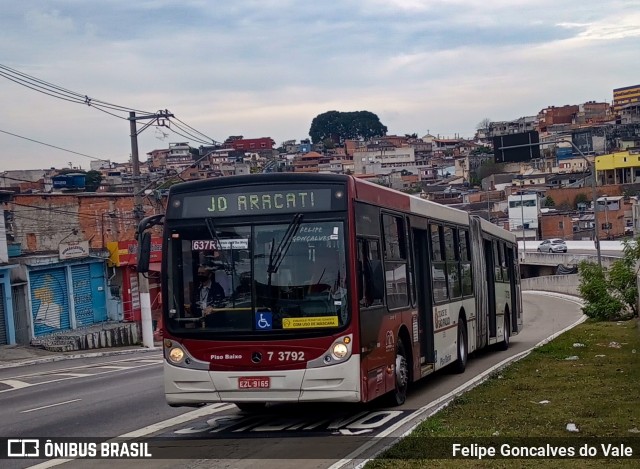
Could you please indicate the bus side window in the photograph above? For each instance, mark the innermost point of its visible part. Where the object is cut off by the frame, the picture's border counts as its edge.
(497, 260)
(370, 280)
(505, 265)
(438, 264)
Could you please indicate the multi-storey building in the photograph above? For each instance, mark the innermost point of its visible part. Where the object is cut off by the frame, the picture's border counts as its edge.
(384, 158)
(624, 97)
(523, 214)
(593, 113)
(262, 145)
(554, 116)
(618, 168)
(523, 124)
(179, 156)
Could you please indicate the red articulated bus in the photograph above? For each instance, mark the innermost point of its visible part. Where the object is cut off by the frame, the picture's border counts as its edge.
(288, 287)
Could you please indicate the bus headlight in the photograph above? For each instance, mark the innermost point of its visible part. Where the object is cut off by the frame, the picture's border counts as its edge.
(340, 350)
(176, 355)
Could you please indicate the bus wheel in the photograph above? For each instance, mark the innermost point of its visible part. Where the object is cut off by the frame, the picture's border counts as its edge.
(251, 407)
(401, 375)
(461, 361)
(506, 333)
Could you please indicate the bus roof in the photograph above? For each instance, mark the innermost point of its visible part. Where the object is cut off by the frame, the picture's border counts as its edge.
(261, 178)
(365, 191)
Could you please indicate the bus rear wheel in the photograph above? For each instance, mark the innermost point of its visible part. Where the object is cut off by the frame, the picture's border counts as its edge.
(399, 395)
(461, 362)
(506, 332)
(251, 407)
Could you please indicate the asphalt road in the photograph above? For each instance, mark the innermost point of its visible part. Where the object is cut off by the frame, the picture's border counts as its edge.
(89, 399)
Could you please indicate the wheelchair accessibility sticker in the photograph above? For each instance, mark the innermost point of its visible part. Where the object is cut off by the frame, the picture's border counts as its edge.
(263, 320)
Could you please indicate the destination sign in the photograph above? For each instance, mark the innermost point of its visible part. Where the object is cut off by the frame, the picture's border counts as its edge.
(256, 203)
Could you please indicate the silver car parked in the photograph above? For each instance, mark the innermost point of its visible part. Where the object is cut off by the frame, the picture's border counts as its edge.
(552, 245)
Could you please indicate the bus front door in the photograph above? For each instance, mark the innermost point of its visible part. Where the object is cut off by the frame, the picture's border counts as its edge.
(423, 291)
(490, 262)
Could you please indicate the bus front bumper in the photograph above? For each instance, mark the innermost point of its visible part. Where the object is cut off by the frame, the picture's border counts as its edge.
(336, 383)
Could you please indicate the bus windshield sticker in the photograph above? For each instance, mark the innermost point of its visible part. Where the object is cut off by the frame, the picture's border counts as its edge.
(302, 323)
(224, 244)
(309, 233)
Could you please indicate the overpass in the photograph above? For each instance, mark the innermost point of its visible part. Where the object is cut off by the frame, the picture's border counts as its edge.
(539, 271)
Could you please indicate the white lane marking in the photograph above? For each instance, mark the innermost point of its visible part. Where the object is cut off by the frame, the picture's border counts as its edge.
(50, 405)
(149, 429)
(21, 384)
(15, 384)
(440, 403)
(75, 375)
(87, 367)
(115, 367)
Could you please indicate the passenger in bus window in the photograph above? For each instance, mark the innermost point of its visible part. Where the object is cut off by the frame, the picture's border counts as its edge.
(209, 294)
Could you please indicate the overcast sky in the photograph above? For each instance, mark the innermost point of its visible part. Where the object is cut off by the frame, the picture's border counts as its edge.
(266, 68)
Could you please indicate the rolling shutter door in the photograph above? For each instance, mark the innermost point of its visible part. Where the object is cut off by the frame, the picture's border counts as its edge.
(49, 301)
(82, 297)
(3, 325)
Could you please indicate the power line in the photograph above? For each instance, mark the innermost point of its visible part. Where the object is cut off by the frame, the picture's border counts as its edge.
(66, 212)
(197, 131)
(39, 85)
(53, 146)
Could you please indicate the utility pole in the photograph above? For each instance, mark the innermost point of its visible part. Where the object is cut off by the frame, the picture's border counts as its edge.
(138, 212)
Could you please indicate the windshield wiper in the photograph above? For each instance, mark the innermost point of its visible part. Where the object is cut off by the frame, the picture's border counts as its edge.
(276, 258)
(214, 235)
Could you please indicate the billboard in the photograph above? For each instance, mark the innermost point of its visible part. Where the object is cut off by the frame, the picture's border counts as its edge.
(527, 147)
(583, 141)
(564, 153)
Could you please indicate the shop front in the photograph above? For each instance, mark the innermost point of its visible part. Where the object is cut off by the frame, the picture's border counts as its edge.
(66, 295)
(124, 282)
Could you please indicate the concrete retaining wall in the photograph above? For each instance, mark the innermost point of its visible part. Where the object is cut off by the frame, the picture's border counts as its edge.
(555, 283)
(92, 337)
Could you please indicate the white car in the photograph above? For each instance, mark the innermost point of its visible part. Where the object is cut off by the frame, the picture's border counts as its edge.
(553, 245)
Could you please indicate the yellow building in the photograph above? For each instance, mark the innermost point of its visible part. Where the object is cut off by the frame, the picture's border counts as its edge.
(625, 96)
(618, 168)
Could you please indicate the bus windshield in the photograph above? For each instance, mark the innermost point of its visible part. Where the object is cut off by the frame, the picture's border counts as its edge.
(261, 278)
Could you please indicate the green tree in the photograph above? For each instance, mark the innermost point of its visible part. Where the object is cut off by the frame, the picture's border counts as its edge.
(580, 199)
(611, 294)
(340, 126)
(93, 181)
(328, 143)
(549, 202)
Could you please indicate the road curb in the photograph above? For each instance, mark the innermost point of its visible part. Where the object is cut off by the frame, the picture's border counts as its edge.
(56, 358)
(414, 419)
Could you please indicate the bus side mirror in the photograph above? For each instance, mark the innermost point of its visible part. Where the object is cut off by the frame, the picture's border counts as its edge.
(144, 252)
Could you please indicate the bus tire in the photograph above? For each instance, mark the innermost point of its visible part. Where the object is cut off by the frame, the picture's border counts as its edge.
(463, 348)
(251, 407)
(506, 332)
(401, 372)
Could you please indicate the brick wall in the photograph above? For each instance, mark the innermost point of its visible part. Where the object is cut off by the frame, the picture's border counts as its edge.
(43, 221)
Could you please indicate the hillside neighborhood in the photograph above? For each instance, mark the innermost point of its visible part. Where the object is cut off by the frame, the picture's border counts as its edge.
(66, 233)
